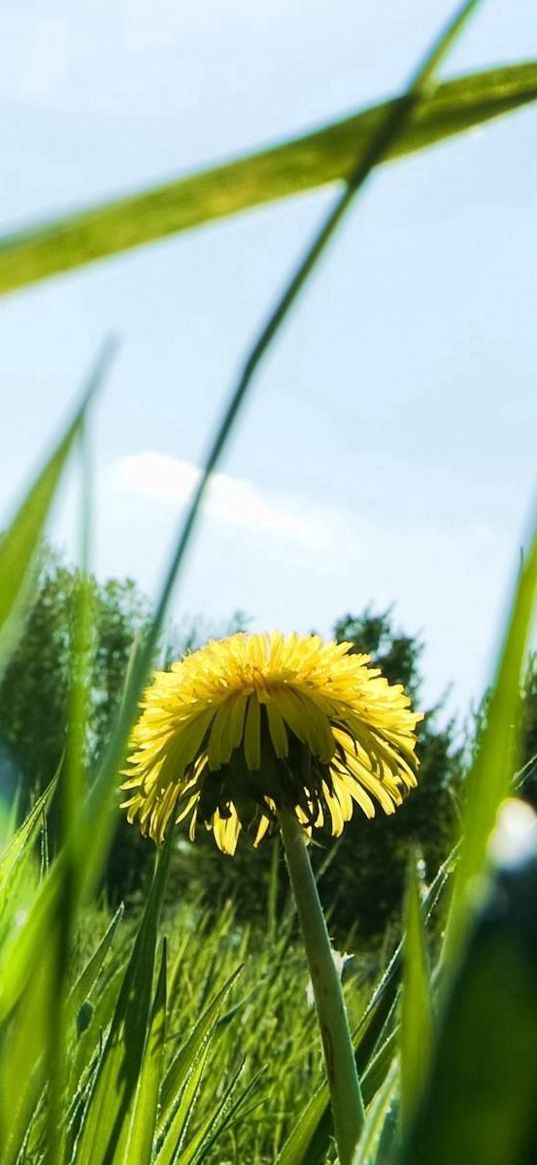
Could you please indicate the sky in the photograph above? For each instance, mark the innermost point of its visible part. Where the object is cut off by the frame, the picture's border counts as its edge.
(386, 454)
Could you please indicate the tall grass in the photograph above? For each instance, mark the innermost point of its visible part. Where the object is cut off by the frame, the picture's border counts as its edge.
(167, 1039)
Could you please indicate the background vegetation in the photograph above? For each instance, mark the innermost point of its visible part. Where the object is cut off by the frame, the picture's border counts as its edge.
(34, 704)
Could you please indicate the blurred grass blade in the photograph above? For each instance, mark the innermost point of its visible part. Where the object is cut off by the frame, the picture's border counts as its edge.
(480, 1099)
(19, 868)
(374, 1126)
(136, 1144)
(72, 774)
(20, 848)
(498, 749)
(9, 817)
(18, 545)
(110, 1105)
(71, 792)
(416, 1003)
(300, 164)
(19, 954)
(22, 1044)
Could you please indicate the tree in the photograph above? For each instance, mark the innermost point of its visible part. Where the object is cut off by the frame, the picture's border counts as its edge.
(35, 692)
(366, 880)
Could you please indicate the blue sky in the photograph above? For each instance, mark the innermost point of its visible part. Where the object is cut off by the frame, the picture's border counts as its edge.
(387, 453)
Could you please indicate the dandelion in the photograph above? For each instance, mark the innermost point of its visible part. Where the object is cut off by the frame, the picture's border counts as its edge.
(253, 724)
(267, 732)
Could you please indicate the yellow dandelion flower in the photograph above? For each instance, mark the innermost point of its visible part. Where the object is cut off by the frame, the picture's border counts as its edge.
(252, 724)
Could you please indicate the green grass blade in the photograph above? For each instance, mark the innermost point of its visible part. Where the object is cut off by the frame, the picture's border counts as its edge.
(226, 1112)
(9, 817)
(416, 1002)
(19, 544)
(71, 791)
(20, 953)
(309, 1140)
(91, 1022)
(497, 755)
(374, 1126)
(110, 1104)
(379, 1066)
(301, 164)
(300, 1147)
(72, 775)
(480, 1099)
(136, 1145)
(176, 1076)
(173, 1141)
(81, 990)
(19, 849)
(23, 1040)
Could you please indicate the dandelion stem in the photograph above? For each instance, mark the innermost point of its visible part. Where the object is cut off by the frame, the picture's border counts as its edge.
(346, 1097)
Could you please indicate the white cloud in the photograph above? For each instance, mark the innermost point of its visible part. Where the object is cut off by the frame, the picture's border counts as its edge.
(296, 562)
(229, 499)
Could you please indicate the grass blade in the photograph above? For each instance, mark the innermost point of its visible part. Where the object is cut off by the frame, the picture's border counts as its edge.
(19, 849)
(300, 1147)
(497, 754)
(225, 1114)
(82, 989)
(18, 546)
(327, 155)
(23, 1040)
(480, 1098)
(19, 954)
(110, 1105)
(136, 1146)
(376, 1119)
(310, 1138)
(173, 1142)
(71, 792)
(181, 1064)
(416, 1001)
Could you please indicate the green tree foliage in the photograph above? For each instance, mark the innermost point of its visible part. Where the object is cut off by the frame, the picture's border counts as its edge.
(366, 879)
(35, 692)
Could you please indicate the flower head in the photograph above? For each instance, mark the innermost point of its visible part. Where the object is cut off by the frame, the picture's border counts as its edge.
(254, 723)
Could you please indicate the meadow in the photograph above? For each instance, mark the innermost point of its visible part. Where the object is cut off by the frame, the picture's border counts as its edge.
(162, 1033)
